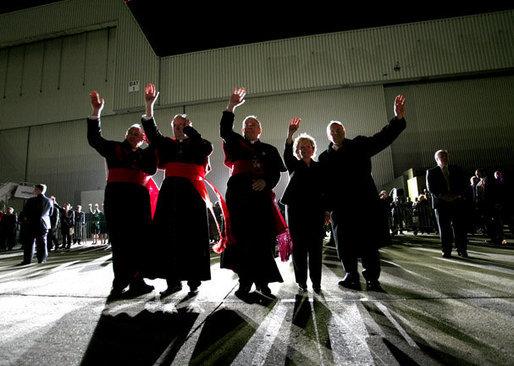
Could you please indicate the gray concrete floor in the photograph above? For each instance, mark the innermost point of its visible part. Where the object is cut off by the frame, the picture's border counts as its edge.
(434, 311)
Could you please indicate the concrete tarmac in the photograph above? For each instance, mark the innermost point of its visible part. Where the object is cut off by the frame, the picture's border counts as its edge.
(434, 311)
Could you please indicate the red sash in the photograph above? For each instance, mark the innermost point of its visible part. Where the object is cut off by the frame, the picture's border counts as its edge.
(196, 175)
(135, 176)
(246, 166)
(285, 244)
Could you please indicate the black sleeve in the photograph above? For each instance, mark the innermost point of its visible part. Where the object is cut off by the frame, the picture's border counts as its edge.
(95, 139)
(151, 131)
(374, 144)
(290, 160)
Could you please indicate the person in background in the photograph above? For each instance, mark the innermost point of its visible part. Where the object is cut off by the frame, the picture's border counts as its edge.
(449, 189)
(36, 215)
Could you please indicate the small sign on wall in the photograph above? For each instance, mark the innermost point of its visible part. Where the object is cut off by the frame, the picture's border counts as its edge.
(133, 86)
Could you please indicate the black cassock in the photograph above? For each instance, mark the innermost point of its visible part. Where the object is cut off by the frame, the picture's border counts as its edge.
(126, 204)
(252, 255)
(180, 224)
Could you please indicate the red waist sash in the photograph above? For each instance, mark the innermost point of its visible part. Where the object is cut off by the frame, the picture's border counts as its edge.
(246, 166)
(135, 176)
(196, 175)
(285, 243)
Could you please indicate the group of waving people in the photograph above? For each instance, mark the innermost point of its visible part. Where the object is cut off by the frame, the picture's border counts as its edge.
(172, 223)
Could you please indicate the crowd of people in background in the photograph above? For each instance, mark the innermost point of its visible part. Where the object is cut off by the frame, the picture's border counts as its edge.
(490, 209)
(491, 214)
(69, 226)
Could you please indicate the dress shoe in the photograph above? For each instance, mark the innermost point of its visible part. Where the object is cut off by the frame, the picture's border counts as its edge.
(374, 286)
(193, 286)
(264, 289)
(116, 293)
(351, 282)
(139, 289)
(171, 290)
(302, 288)
(447, 255)
(23, 263)
(463, 253)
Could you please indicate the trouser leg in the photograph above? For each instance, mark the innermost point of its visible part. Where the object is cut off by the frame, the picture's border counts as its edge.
(443, 218)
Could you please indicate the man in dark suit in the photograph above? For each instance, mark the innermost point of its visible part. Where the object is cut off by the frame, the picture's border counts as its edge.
(357, 215)
(37, 212)
(448, 187)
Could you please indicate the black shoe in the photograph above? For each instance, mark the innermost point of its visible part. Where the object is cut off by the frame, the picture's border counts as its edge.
(23, 263)
(447, 255)
(245, 296)
(116, 293)
(302, 288)
(264, 289)
(139, 289)
(351, 282)
(193, 286)
(374, 286)
(317, 289)
(171, 290)
(463, 253)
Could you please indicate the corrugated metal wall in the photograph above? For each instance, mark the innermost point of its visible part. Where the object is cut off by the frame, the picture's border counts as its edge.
(51, 57)
(50, 80)
(13, 154)
(371, 56)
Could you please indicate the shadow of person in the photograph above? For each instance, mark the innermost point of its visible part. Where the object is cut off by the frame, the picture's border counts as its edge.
(138, 340)
(224, 334)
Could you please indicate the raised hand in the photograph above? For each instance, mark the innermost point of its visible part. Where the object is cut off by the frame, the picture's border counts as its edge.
(151, 94)
(294, 124)
(236, 99)
(399, 106)
(97, 104)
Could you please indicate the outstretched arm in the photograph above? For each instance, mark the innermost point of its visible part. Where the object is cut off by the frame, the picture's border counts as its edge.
(151, 95)
(227, 121)
(94, 130)
(151, 131)
(289, 159)
(379, 141)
